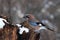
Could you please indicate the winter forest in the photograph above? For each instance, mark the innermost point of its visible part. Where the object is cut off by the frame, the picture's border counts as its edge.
(48, 10)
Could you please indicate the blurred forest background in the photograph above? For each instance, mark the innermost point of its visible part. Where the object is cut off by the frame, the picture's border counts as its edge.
(42, 9)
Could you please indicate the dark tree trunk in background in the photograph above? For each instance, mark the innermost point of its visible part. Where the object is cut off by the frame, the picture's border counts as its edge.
(8, 33)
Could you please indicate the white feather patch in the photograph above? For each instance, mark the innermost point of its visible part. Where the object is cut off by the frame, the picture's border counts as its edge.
(42, 28)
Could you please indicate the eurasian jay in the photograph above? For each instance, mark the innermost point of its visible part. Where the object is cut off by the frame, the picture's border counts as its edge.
(32, 21)
(36, 24)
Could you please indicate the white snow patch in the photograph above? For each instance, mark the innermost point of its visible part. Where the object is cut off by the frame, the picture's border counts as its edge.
(22, 29)
(18, 25)
(2, 23)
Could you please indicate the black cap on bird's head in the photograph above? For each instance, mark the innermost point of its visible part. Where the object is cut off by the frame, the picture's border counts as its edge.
(26, 16)
(29, 16)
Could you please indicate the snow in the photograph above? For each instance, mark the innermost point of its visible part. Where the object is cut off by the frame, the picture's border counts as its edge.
(2, 23)
(22, 29)
(18, 25)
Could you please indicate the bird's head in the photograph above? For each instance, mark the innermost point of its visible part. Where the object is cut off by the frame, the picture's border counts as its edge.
(29, 17)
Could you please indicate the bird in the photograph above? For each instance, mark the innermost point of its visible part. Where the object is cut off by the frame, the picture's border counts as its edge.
(36, 24)
(33, 22)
